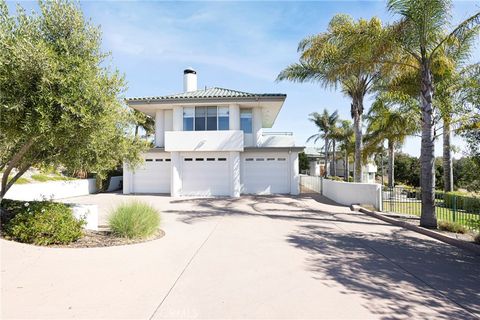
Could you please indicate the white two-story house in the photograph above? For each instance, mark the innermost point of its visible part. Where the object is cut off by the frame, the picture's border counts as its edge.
(211, 142)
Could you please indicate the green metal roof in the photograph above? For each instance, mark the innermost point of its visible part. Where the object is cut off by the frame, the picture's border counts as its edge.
(209, 93)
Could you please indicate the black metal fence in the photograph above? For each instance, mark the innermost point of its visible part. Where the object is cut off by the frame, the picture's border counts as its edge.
(448, 206)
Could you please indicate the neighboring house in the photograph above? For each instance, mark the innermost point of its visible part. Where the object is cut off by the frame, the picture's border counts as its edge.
(316, 161)
(211, 142)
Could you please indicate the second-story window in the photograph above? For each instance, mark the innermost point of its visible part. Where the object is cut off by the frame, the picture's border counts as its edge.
(188, 116)
(205, 118)
(211, 118)
(200, 118)
(223, 118)
(246, 120)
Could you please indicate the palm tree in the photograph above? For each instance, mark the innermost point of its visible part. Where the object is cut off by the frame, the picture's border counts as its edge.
(418, 38)
(390, 124)
(336, 58)
(141, 120)
(450, 94)
(345, 135)
(325, 123)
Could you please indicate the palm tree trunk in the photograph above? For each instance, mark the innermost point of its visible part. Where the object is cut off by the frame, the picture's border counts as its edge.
(447, 158)
(428, 218)
(345, 165)
(357, 109)
(326, 156)
(391, 164)
(334, 160)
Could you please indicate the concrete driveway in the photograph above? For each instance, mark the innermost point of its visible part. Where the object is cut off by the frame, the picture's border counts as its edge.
(253, 257)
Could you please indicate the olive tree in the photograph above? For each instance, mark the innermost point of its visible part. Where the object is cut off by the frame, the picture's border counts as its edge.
(60, 101)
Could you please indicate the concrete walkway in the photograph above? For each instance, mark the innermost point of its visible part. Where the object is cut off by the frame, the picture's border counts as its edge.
(253, 257)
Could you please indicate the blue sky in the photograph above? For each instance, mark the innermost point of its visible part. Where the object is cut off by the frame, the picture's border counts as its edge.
(237, 45)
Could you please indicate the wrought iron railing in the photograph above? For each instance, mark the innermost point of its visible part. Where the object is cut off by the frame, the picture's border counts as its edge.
(449, 207)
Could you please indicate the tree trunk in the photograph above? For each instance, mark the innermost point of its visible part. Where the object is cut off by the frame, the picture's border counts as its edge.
(428, 218)
(12, 163)
(357, 110)
(381, 165)
(391, 164)
(326, 157)
(334, 160)
(346, 174)
(136, 131)
(447, 158)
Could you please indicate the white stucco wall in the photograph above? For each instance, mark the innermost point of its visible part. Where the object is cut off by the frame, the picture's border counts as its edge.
(115, 183)
(227, 140)
(160, 128)
(347, 193)
(294, 174)
(51, 190)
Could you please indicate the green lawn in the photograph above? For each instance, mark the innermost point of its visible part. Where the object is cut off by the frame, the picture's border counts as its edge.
(468, 219)
(44, 177)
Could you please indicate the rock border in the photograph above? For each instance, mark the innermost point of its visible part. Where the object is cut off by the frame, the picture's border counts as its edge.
(474, 248)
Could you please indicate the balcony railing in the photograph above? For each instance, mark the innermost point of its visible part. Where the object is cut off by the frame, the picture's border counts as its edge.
(277, 133)
(277, 139)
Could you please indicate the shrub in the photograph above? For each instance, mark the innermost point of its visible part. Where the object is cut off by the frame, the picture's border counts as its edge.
(335, 178)
(451, 227)
(41, 222)
(134, 220)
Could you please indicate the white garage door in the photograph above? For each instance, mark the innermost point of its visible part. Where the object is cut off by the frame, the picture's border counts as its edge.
(205, 174)
(153, 176)
(265, 173)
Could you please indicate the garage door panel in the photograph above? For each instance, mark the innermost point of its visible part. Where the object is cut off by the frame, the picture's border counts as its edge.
(205, 175)
(265, 173)
(153, 176)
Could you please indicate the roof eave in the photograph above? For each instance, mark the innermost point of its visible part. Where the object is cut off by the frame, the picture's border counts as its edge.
(143, 101)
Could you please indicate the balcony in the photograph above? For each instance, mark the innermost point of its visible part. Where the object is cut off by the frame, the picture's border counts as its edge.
(276, 139)
(228, 140)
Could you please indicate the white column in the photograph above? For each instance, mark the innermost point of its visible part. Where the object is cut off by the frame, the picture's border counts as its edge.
(234, 117)
(176, 174)
(294, 175)
(168, 120)
(235, 174)
(177, 118)
(257, 126)
(127, 179)
(160, 128)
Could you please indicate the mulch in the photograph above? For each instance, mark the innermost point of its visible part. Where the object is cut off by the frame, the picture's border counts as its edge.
(104, 238)
(101, 238)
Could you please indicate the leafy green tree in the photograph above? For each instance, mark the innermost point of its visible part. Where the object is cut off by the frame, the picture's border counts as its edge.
(418, 39)
(60, 102)
(338, 58)
(407, 169)
(466, 171)
(303, 162)
(326, 124)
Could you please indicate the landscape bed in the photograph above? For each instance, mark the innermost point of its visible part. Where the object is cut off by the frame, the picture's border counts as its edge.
(53, 224)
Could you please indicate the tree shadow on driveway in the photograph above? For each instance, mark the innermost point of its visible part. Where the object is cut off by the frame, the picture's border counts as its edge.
(401, 275)
(273, 207)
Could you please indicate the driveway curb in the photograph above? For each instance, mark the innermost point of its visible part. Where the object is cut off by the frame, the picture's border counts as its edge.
(433, 234)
